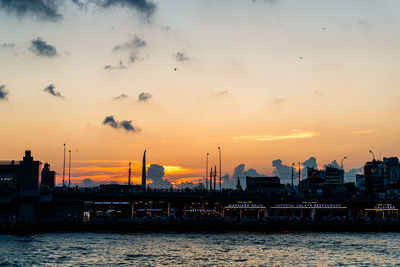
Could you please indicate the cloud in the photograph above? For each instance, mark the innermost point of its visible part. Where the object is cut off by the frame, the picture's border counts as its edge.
(109, 120)
(42, 49)
(125, 125)
(50, 89)
(181, 56)
(241, 172)
(7, 45)
(121, 97)
(333, 164)
(296, 134)
(221, 93)
(144, 8)
(45, 10)
(363, 132)
(120, 66)
(156, 173)
(87, 182)
(284, 172)
(48, 10)
(280, 100)
(143, 97)
(133, 46)
(3, 92)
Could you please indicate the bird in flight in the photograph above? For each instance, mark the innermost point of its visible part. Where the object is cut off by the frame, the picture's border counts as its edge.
(323, 28)
(175, 69)
(300, 57)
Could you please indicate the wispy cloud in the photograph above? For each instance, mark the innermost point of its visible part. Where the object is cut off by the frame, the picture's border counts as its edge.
(50, 89)
(121, 97)
(295, 134)
(363, 132)
(181, 56)
(42, 49)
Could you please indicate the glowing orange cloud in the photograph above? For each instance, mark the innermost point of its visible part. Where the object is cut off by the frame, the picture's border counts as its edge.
(297, 134)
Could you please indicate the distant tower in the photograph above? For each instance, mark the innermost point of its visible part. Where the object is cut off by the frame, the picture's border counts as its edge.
(144, 172)
(238, 186)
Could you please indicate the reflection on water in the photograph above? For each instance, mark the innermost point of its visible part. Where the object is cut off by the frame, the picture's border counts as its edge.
(201, 249)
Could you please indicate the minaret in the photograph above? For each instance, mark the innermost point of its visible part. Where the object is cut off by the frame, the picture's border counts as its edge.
(238, 186)
(144, 172)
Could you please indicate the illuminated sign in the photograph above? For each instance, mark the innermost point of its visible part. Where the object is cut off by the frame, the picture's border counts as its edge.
(201, 210)
(245, 206)
(149, 210)
(382, 207)
(309, 205)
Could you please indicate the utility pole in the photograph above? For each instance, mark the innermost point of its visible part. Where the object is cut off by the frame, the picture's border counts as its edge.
(207, 170)
(63, 181)
(220, 172)
(129, 176)
(211, 176)
(69, 170)
(373, 155)
(292, 175)
(215, 178)
(299, 173)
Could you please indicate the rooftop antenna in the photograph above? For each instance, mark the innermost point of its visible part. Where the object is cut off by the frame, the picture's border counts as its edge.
(292, 174)
(211, 178)
(63, 169)
(69, 170)
(215, 178)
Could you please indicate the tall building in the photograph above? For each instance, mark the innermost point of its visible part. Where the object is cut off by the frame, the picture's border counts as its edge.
(48, 177)
(332, 176)
(29, 180)
(373, 172)
(391, 171)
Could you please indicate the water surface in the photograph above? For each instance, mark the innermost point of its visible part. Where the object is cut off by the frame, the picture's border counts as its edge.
(315, 249)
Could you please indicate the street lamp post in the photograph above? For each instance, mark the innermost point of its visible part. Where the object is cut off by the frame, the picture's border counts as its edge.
(220, 173)
(341, 164)
(207, 170)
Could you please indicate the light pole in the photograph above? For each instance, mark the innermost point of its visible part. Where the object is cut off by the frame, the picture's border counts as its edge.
(63, 181)
(373, 155)
(341, 165)
(292, 175)
(299, 173)
(207, 170)
(220, 176)
(69, 170)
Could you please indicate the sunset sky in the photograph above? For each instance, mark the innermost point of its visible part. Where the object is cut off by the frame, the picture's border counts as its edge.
(264, 80)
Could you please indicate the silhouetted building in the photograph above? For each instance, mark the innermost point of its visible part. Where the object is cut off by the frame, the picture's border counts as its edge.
(238, 185)
(48, 177)
(29, 179)
(9, 173)
(391, 171)
(332, 176)
(360, 182)
(264, 184)
(373, 172)
(313, 183)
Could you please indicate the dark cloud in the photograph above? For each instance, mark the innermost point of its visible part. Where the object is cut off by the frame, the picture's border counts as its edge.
(156, 173)
(284, 172)
(144, 8)
(143, 97)
(181, 56)
(46, 10)
(87, 182)
(125, 125)
(42, 49)
(333, 164)
(50, 89)
(121, 97)
(240, 172)
(309, 163)
(3, 92)
(120, 66)
(109, 120)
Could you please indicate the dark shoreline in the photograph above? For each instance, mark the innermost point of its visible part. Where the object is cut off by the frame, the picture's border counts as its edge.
(197, 228)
